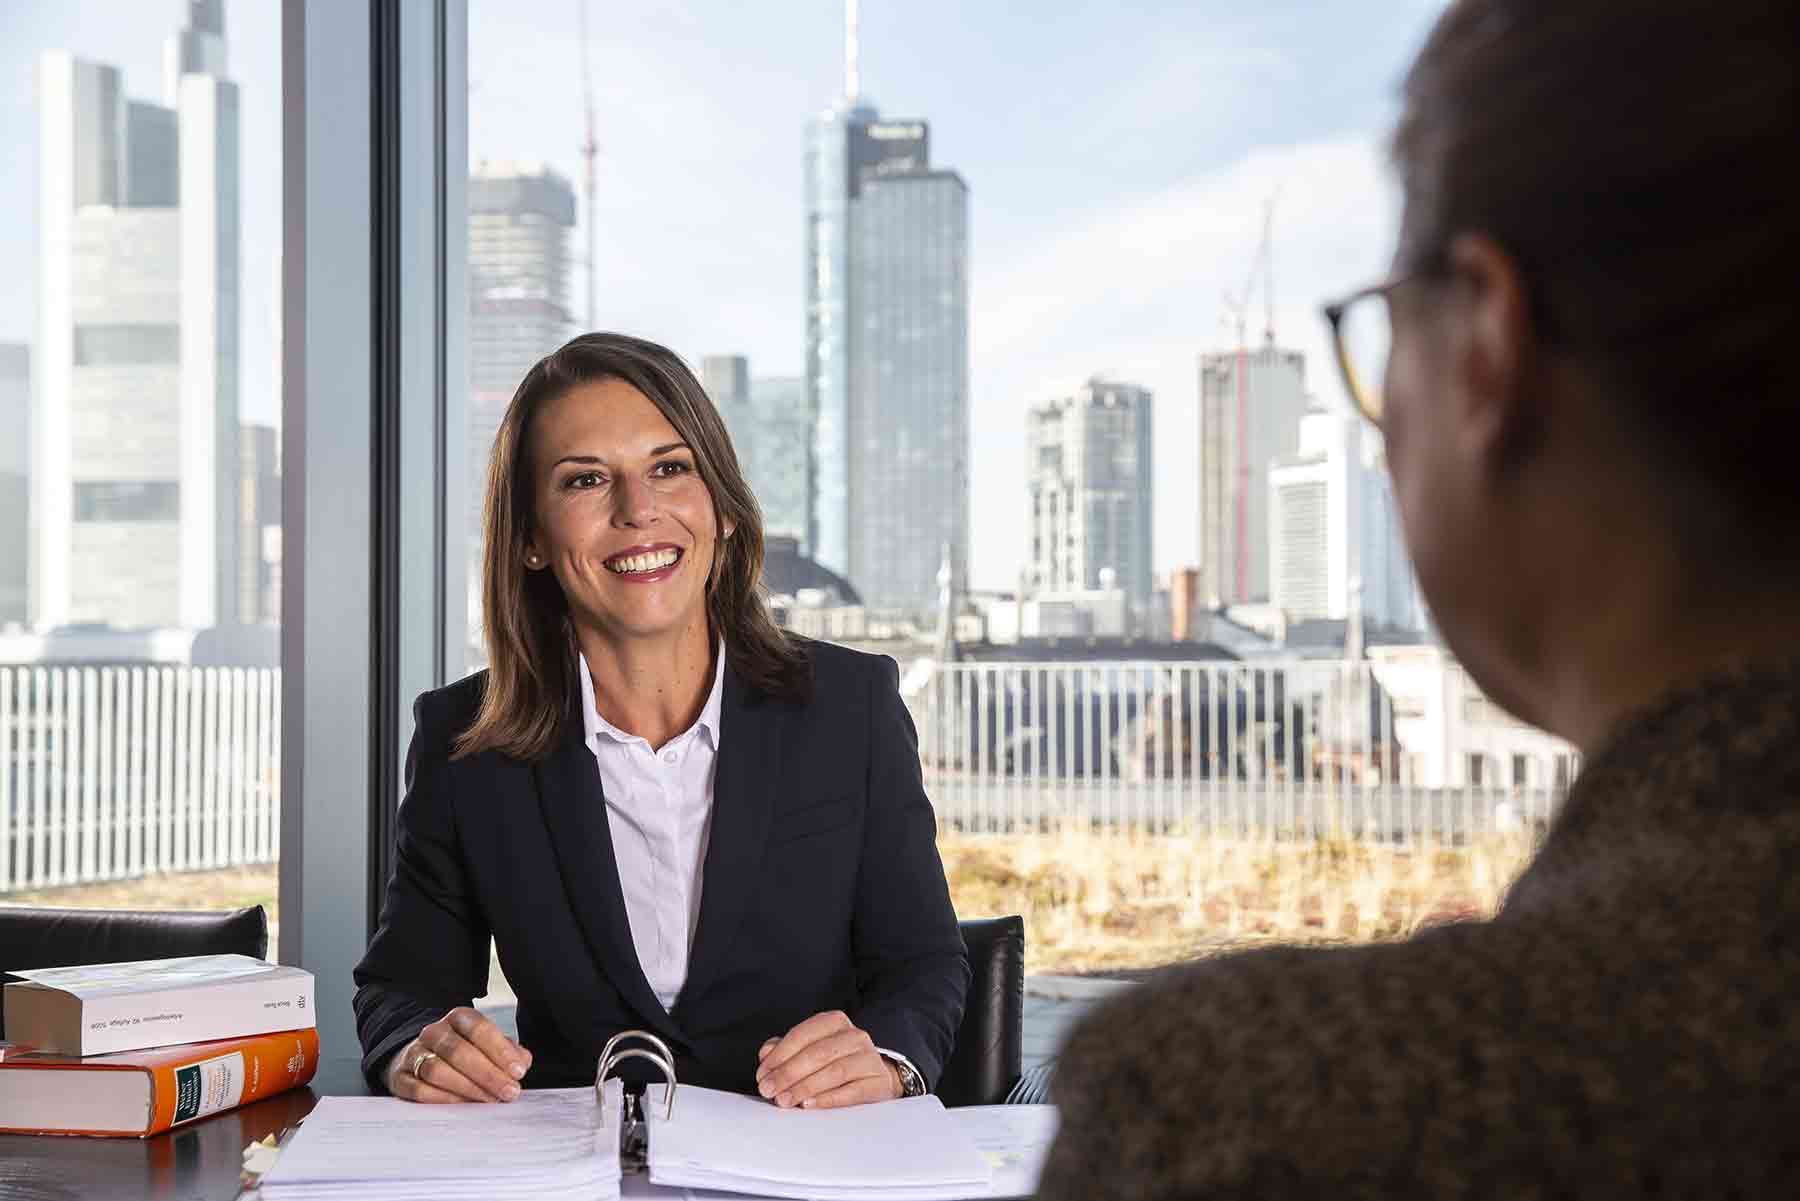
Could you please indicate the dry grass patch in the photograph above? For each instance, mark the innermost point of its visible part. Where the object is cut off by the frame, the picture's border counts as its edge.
(1093, 901)
(1107, 900)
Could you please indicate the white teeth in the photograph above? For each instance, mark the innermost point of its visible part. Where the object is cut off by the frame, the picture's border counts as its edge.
(653, 561)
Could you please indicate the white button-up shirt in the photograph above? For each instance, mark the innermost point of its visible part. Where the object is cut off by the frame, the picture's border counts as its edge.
(659, 809)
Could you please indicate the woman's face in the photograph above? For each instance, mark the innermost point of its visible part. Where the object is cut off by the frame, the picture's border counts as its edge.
(623, 518)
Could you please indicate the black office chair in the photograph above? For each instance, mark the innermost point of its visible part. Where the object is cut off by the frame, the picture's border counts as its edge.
(984, 1064)
(38, 938)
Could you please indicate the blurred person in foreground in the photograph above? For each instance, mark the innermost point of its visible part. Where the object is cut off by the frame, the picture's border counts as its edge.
(669, 814)
(1592, 416)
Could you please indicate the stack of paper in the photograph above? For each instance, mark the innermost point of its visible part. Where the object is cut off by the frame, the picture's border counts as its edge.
(1014, 1139)
(548, 1144)
(908, 1150)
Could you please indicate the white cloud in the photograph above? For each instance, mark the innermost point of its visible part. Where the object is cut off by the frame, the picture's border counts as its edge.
(1137, 293)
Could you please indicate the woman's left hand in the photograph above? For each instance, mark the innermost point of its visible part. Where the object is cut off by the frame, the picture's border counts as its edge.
(825, 1062)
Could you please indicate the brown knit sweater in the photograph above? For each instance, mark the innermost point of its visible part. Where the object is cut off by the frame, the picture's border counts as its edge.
(1627, 1026)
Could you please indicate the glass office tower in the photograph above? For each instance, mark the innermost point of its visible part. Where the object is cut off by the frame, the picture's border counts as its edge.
(886, 356)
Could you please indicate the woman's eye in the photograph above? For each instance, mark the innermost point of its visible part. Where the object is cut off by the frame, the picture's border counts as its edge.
(669, 467)
(585, 479)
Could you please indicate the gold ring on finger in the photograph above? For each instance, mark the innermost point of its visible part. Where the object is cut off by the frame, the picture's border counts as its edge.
(417, 1068)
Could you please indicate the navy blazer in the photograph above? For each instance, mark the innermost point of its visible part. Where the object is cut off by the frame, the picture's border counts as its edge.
(822, 890)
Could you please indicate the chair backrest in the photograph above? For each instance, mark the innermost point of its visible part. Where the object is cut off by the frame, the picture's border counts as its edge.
(36, 938)
(985, 1062)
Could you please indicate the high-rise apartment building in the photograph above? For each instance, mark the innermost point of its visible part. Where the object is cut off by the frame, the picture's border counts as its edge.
(887, 300)
(15, 480)
(135, 409)
(1334, 537)
(1251, 403)
(520, 215)
(1089, 470)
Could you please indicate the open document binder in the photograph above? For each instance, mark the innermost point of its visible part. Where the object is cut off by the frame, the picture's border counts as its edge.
(569, 1143)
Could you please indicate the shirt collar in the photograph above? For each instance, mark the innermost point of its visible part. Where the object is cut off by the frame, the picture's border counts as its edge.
(593, 723)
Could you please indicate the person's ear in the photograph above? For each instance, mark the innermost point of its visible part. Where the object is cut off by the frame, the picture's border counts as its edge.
(1492, 350)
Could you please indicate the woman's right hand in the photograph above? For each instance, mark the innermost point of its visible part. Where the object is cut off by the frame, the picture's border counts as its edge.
(473, 1061)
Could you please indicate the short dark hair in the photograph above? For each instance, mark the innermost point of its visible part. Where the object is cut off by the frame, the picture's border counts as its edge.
(531, 650)
(1636, 160)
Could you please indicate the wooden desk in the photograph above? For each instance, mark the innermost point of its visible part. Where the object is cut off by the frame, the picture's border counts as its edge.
(198, 1162)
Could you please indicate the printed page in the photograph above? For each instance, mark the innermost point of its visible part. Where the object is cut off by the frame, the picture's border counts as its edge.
(1014, 1139)
(548, 1143)
(897, 1149)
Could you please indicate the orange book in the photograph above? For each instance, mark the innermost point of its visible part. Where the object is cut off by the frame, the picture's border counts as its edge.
(140, 1093)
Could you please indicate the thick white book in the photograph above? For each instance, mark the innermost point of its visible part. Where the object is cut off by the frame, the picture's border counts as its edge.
(104, 1008)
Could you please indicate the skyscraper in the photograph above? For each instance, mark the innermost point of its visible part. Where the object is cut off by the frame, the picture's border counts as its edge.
(1250, 409)
(1334, 539)
(15, 479)
(1090, 473)
(520, 216)
(780, 468)
(887, 300)
(135, 460)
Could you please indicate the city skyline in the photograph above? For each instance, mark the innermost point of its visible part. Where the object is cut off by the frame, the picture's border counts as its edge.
(1190, 118)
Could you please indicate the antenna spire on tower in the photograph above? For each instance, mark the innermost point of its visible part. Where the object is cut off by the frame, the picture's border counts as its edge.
(852, 52)
(590, 149)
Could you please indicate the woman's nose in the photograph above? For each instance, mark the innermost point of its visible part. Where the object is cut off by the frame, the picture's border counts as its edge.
(634, 503)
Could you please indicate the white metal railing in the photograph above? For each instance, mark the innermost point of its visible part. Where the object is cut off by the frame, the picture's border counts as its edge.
(109, 772)
(1293, 749)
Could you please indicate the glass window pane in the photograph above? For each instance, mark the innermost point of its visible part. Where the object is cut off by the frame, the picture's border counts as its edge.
(140, 500)
(1034, 397)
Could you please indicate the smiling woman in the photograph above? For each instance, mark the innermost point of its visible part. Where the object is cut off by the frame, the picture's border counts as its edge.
(668, 814)
(610, 421)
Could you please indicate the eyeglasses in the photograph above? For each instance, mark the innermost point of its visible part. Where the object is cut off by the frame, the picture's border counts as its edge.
(1362, 333)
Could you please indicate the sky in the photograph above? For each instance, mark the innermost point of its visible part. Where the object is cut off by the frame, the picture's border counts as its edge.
(1118, 158)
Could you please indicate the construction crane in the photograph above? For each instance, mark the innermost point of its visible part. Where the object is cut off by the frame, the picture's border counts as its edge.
(1237, 311)
(590, 150)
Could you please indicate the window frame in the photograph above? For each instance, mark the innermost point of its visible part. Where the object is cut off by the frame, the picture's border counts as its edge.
(374, 143)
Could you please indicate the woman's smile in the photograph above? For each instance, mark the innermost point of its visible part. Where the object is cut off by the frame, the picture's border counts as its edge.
(646, 564)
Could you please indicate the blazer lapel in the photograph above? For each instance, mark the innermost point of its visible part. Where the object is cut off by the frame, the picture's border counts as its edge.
(574, 806)
(744, 779)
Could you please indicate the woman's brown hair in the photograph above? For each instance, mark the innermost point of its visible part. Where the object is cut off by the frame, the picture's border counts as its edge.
(531, 652)
(1635, 159)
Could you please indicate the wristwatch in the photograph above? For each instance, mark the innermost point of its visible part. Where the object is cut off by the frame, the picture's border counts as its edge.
(912, 1084)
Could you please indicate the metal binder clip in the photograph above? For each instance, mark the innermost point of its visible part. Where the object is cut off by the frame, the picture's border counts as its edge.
(609, 1059)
